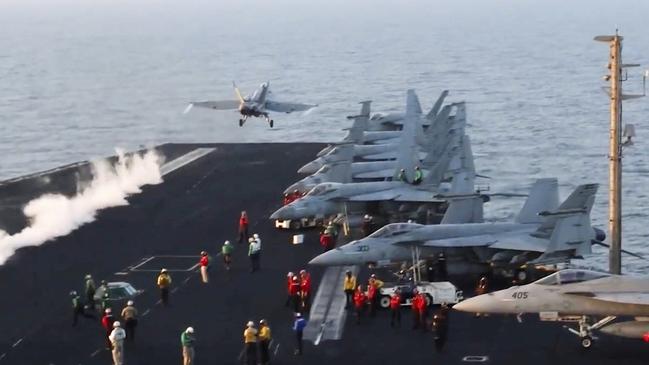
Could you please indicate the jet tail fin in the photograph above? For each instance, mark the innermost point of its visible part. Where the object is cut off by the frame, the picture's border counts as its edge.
(359, 126)
(438, 104)
(544, 196)
(580, 201)
(467, 209)
(237, 92)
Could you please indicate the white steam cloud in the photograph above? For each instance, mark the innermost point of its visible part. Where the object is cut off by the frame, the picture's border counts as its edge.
(55, 215)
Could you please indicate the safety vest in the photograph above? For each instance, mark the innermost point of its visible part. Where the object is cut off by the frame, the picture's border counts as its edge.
(349, 283)
(395, 301)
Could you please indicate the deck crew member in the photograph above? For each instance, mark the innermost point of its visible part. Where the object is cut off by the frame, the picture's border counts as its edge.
(333, 230)
(243, 226)
(414, 306)
(164, 282)
(129, 315)
(360, 300)
(226, 251)
(349, 283)
(377, 285)
(366, 226)
(421, 308)
(305, 289)
(440, 326)
(90, 292)
(107, 322)
(254, 252)
(419, 176)
(187, 340)
(402, 176)
(264, 342)
(481, 288)
(395, 308)
(294, 292)
(372, 299)
(250, 343)
(77, 308)
(298, 327)
(116, 338)
(105, 301)
(326, 240)
(204, 265)
(289, 281)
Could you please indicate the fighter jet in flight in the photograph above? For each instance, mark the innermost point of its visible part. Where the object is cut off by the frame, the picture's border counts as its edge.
(541, 233)
(573, 292)
(256, 105)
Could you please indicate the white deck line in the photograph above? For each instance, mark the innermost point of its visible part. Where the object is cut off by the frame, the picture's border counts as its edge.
(183, 160)
(328, 313)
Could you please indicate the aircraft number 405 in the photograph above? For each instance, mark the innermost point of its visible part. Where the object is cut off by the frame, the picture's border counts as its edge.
(519, 295)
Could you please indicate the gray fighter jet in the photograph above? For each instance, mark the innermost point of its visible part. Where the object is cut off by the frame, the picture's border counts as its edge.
(541, 233)
(326, 198)
(256, 105)
(573, 292)
(436, 134)
(364, 129)
(340, 167)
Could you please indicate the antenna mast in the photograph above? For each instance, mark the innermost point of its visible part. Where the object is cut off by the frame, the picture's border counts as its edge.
(615, 66)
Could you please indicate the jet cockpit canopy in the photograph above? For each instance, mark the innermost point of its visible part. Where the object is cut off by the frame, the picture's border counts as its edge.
(395, 229)
(570, 276)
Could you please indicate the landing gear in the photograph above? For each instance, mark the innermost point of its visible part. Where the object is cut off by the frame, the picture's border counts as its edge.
(240, 122)
(585, 331)
(271, 123)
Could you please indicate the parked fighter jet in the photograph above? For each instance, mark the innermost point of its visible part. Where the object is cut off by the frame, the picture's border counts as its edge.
(541, 233)
(325, 199)
(256, 105)
(363, 130)
(576, 292)
(432, 138)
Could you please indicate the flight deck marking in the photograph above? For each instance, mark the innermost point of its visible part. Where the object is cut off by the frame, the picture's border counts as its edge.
(3, 356)
(95, 353)
(146, 312)
(136, 268)
(475, 358)
(17, 343)
(183, 160)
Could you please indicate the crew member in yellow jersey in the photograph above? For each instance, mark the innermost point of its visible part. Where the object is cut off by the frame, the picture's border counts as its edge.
(250, 343)
(264, 342)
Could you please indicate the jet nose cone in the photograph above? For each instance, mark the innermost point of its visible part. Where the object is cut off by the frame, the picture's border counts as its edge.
(296, 186)
(311, 167)
(481, 304)
(329, 258)
(285, 212)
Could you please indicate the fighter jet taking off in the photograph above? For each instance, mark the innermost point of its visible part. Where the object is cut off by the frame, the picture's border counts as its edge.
(256, 105)
(573, 292)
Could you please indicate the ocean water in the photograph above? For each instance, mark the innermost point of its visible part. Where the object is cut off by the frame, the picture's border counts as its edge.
(81, 78)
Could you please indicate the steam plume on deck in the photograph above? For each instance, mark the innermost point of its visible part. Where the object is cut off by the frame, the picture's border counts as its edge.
(56, 215)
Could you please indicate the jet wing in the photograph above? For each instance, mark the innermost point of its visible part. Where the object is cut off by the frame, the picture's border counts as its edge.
(622, 298)
(378, 174)
(217, 105)
(503, 241)
(283, 107)
(398, 194)
(379, 195)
